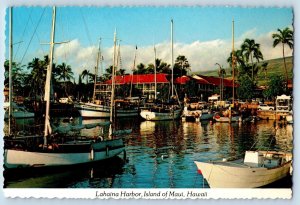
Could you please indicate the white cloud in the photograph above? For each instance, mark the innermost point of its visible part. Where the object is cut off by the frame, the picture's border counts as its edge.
(202, 56)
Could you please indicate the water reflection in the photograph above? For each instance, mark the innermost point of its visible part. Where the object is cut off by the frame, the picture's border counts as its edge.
(162, 154)
(88, 176)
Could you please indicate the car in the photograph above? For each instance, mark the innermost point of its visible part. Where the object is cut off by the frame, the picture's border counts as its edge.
(265, 107)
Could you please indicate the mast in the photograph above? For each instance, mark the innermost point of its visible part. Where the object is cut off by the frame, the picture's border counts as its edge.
(96, 70)
(155, 80)
(233, 62)
(172, 58)
(134, 60)
(10, 68)
(48, 79)
(112, 87)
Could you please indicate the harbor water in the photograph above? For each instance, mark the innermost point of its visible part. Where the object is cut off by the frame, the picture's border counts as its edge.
(159, 154)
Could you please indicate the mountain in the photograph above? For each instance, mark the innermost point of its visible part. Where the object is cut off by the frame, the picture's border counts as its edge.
(275, 66)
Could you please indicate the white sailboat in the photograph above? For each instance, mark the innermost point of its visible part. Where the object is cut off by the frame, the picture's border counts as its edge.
(163, 112)
(95, 109)
(52, 150)
(257, 169)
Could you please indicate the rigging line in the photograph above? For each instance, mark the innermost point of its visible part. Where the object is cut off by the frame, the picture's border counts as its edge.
(23, 34)
(33, 35)
(87, 30)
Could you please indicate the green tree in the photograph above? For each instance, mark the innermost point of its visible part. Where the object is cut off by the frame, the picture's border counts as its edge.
(37, 76)
(64, 73)
(150, 69)
(162, 67)
(275, 87)
(181, 66)
(18, 77)
(251, 51)
(86, 75)
(141, 69)
(284, 37)
(245, 90)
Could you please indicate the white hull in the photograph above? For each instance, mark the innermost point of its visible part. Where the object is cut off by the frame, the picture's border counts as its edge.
(289, 119)
(234, 175)
(90, 110)
(156, 116)
(101, 150)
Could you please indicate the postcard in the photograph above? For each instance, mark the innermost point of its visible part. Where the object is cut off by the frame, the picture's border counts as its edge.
(148, 102)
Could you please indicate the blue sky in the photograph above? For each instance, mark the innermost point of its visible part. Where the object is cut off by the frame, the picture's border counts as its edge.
(202, 34)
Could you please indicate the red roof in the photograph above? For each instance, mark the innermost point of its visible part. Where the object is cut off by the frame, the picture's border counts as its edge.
(216, 81)
(162, 78)
(182, 80)
(141, 78)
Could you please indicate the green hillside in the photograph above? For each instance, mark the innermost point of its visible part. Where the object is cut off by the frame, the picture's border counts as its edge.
(275, 66)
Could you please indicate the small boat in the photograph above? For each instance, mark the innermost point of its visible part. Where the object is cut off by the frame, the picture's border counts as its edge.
(161, 113)
(92, 110)
(289, 118)
(206, 115)
(257, 169)
(218, 118)
(18, 112)
(191, 115)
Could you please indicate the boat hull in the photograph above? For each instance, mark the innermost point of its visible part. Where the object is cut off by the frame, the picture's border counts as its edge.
(90, 153)
(227, 119)
(90, 110)
(221, 176)
(156, 116)
(289, 119)
(206, 116)
(19, 115)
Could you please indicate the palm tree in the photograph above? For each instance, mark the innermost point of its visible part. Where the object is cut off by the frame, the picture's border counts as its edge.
(251, 50)
(37, 76)
(162, 67)
(85, 74)
(284, 36)
(181, 66)
(64, 73)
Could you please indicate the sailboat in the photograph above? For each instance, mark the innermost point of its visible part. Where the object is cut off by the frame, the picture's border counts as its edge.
(229, 115)
(163, 112)
(98, 109)
(54, 150)
(12, 110)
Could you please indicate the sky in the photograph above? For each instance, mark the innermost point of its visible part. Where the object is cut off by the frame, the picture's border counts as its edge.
(202, 34)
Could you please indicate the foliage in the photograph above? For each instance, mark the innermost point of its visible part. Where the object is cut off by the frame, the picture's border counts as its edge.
(251, 51)
(64, 72)
(245, 90)
(18, 77)
(284, 36)
(275, 87)
(181, 66)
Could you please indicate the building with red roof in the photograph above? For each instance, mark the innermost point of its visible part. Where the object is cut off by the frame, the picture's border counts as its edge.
(206, 85)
